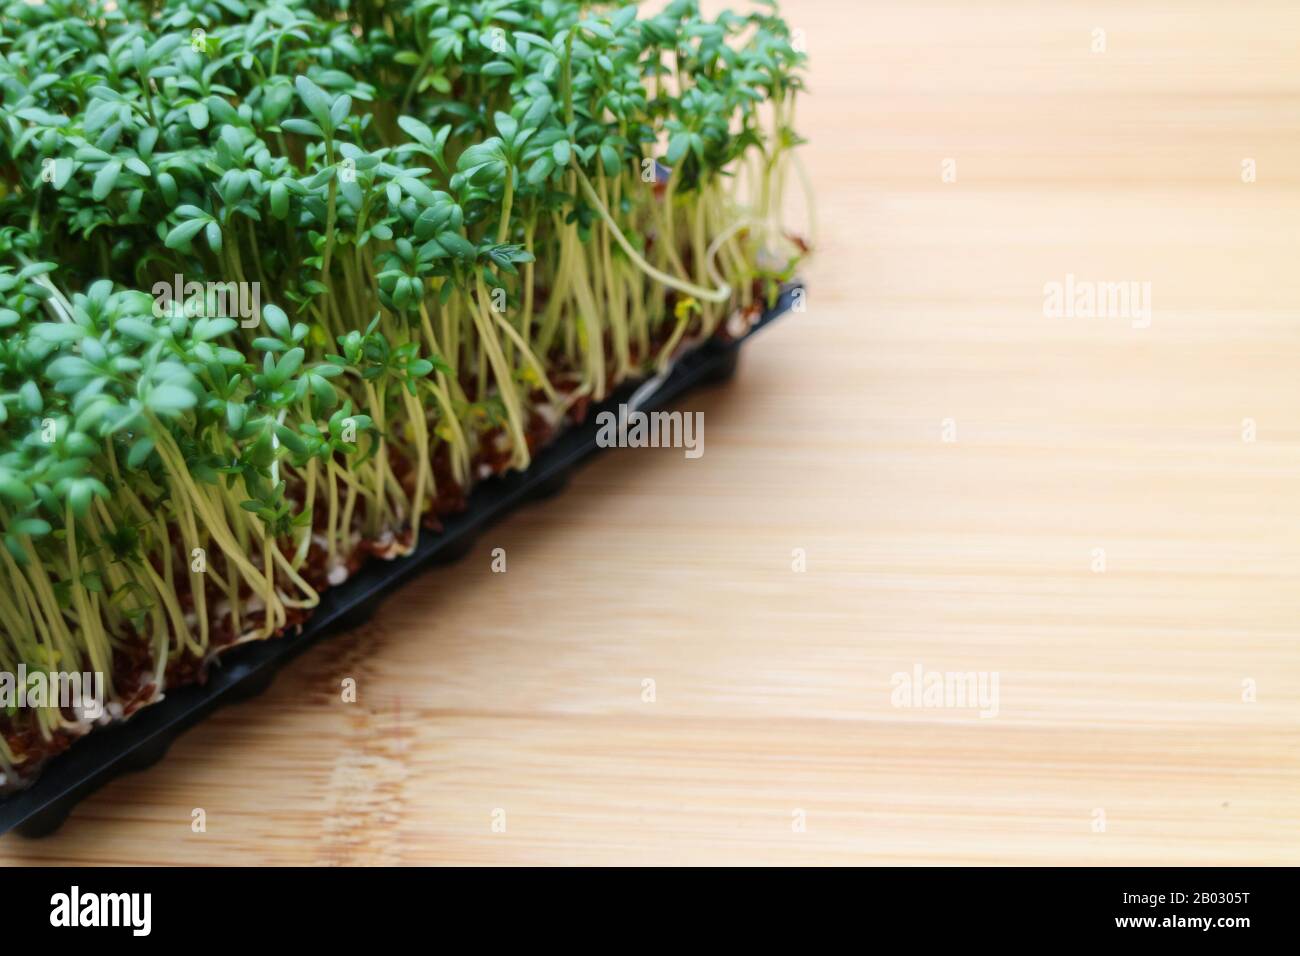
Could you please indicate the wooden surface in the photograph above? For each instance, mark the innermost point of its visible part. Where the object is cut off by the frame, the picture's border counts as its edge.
(1120, 693)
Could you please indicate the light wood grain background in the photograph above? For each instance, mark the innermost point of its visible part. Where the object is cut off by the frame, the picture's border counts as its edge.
(1120, 692)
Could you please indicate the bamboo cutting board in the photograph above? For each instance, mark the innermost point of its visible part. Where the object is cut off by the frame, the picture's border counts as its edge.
(1106, 517)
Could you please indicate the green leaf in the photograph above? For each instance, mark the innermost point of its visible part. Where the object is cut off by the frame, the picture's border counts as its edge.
(339, 111)
(136, 329)
(623, 18)
(63, 168)
(205, 330)
(106, 179)
(279, 196)
(457, 245)
(315, 99)
(678, 144)
(167, 399)
(180, 236)
(303, 128)
(139, 453)
(34, 527)
(30, 396)
(541, 169)
(289, 363)
(167, 184)
(14, 491)
(416, 130)
(506, 126)
(609, 155)
(276, 320)
(596, 28)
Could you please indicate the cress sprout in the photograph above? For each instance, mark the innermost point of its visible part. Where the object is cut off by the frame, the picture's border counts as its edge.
(462, 221)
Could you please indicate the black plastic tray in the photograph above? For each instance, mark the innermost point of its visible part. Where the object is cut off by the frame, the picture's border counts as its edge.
(247, 670)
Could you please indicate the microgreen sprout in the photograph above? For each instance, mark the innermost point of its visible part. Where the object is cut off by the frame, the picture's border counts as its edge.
(462, 220)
